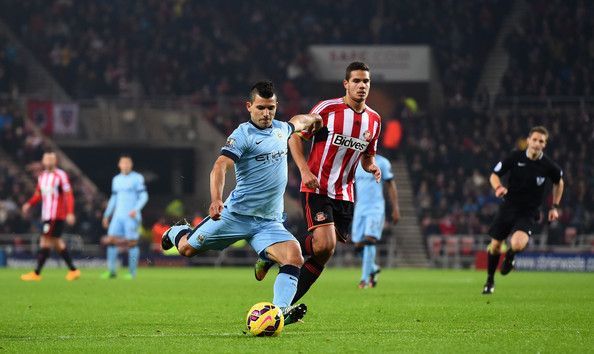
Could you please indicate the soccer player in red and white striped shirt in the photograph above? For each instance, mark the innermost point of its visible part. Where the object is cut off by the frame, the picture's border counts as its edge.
(57, 206)
(350, 133)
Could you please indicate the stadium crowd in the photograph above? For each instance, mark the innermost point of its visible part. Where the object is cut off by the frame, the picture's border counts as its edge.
(451, 157)
(25, 148)
(552, 50)
(198, 50)
(191, 48)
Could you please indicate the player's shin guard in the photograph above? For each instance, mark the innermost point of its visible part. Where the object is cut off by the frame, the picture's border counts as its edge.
(41, 257)
(310, 272)
(368, 260)
(112, 256)
(285, 285)
(133, 255)
(492, 263)
(66, 257)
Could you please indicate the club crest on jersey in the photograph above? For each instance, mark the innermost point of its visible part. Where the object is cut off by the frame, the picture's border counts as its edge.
(367, 135)
(200, 238)
(278, 133)
(321, 216)
(229, 143)
(349, 142)
(540, 180)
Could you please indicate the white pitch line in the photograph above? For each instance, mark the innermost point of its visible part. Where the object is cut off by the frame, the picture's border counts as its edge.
(111, 336)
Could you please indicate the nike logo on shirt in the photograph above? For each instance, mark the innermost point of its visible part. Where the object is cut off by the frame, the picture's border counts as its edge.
(521, 164)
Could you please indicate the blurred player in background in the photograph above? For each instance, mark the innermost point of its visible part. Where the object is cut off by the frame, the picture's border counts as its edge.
(350, 134)
(369, 216)
(128, 197)
(528, 171)
(254, 210)
(57, 206)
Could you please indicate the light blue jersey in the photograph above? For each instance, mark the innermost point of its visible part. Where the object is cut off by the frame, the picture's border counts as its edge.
(128, 192)
(261, 171)
(370, 206)
(369, 195)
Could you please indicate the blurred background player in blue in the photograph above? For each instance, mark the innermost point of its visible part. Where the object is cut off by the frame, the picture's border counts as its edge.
(128, 197)
(369, 216)
(254, 210)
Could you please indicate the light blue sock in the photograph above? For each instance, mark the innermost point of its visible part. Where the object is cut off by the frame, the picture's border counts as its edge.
(112, 256)
(175, 230)
(359, 252)
(375, 268)
(368, 261)
(133, 255)
(285, 285)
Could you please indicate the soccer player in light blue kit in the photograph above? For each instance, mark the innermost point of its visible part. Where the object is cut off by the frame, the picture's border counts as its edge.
(128, 197)
(254, 210)
(369, 216)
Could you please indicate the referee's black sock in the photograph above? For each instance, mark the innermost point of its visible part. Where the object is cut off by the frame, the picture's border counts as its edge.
(310, 272)
(492, 262)
(510, 253)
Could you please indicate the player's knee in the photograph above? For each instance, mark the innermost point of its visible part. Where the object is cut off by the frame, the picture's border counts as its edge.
(370, 240)
(325, 250)
(295, 259)
(495, 247)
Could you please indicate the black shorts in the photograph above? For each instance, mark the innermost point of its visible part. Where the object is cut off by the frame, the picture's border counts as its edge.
(53, 228)
(320, 210)
(510, 219)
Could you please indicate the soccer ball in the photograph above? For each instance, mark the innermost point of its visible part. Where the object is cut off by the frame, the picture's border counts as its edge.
(265, 320)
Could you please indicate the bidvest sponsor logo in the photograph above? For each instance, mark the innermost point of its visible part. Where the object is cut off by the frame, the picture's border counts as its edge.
(349, 142)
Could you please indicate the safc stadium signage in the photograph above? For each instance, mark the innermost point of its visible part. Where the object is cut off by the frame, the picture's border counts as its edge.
(387, 63)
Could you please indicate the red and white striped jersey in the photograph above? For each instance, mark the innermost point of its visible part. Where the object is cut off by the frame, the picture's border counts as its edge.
(52, 186)
(338, 146)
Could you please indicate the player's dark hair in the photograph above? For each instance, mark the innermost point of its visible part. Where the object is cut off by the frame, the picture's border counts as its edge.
(264, 89)
(539, 129)
(356, 65)
(125, 155)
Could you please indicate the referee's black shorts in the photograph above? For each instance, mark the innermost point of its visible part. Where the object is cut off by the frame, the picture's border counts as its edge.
(510, 219)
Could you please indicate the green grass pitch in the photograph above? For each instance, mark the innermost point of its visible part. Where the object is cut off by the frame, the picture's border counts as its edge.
(202, 309)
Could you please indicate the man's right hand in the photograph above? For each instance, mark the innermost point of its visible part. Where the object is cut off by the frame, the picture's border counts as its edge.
(216, 209)
(309, 179)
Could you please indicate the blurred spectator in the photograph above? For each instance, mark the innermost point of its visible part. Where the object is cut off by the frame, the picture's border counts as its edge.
(158, 230)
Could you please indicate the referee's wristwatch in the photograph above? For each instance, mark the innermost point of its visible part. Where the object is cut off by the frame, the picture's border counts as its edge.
(554, 206)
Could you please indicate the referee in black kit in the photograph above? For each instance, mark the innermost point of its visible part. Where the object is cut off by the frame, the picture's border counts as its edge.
(528, 171)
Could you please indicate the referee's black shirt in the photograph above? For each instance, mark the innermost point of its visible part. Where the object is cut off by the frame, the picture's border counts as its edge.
(527, 178)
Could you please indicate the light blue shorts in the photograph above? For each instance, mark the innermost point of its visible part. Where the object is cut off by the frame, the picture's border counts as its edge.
(259, 233)
(368, 224)
(124, 227)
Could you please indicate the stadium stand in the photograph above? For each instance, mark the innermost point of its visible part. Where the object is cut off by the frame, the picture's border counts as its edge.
(152, 49)
(177, 48)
